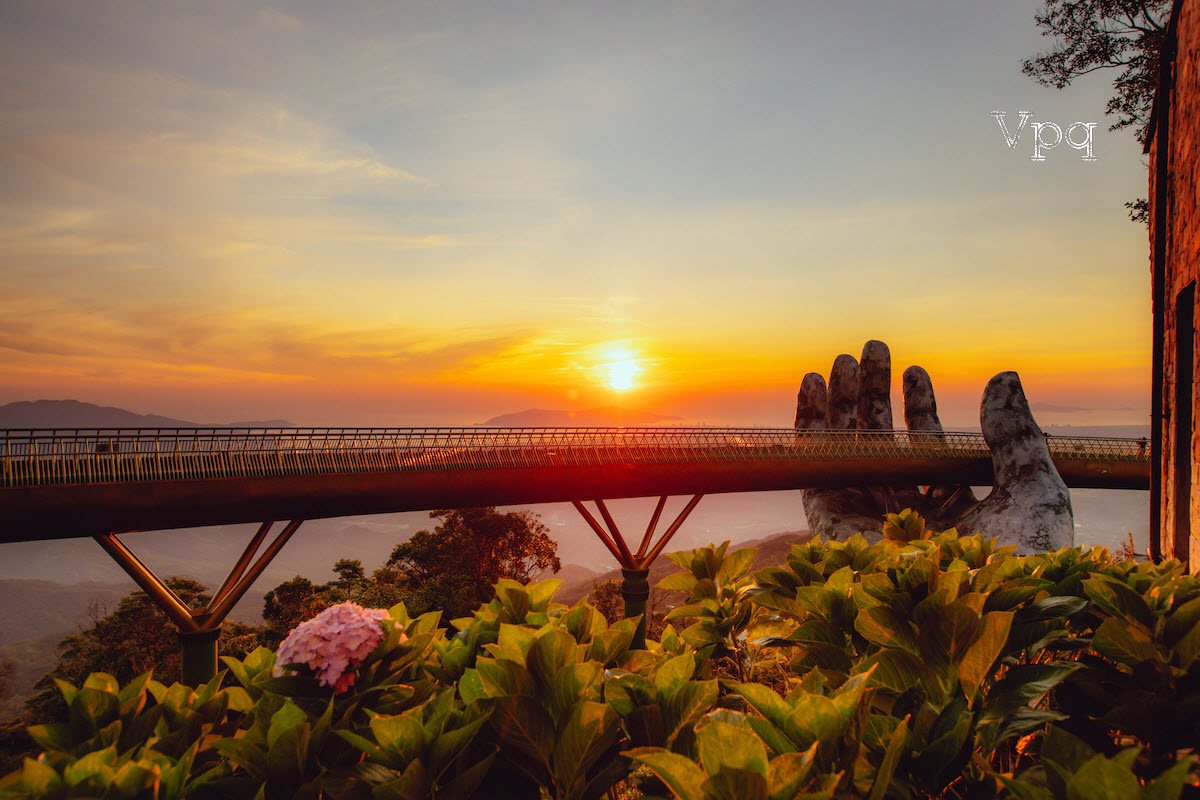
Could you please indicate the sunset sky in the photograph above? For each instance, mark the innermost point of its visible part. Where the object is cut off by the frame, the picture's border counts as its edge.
(432, 213)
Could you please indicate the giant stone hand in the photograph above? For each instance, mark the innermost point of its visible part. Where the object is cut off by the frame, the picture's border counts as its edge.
(1029, 505)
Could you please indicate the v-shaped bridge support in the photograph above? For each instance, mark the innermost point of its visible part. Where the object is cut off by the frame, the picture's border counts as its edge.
(635, 566)
(199, 628)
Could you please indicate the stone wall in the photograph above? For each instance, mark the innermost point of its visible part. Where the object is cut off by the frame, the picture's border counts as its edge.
(1182, 259)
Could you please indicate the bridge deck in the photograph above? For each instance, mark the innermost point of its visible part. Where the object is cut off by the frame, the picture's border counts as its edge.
(66, 483)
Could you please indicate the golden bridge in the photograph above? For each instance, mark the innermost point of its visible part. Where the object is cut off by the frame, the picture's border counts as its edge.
(66, 483)
(100, 483)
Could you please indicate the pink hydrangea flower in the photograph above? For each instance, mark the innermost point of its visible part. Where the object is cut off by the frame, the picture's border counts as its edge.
(333, 643)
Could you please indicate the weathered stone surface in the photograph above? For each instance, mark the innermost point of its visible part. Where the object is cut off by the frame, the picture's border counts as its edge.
(1029, 506)
(838, 514)
(943, 505)
(843, 394)
(920, 406)
(811, 403)
(875, 387)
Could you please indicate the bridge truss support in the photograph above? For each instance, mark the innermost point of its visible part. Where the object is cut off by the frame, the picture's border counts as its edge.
(635, 565)
(199, 628)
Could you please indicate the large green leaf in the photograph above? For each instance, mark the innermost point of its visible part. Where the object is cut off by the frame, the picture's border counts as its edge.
(522, 723)
(819, 601)
(679, 668)
(685, 703)
(1118, 600)
(722, 745)
(765, 701)
(413, 784)
(1187, 648)
(734, 565)
(1023, 685)
(976, 664)
(774, 738)
(590, 731)
(574, 684)
(944, 753)
(1103, 779)
(541, 592)
(1124, 642)
(677, 582)
(38, 779)
(470, 686)
(681, 775)
(514, 642)
(400, 735)
(554, 650)
(1182, 619)
(819, 631)
(1053, 607)
(891, 758)
(245, 754)
(624, 690)
(287, 758)
(947, 634)
(736, 784)
(464, 784)
(884, 627)
(1169, 784)
(897, 671)
(286, 718)
(514, 598)
(92, 709)
(788, 773)
(814, 718)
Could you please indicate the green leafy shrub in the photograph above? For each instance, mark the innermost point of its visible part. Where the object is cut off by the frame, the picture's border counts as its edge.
(926, 665)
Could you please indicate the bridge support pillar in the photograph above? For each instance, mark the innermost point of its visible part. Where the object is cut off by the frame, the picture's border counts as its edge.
(635, 566)
(199, 628)
(198, 656)
(635, 589)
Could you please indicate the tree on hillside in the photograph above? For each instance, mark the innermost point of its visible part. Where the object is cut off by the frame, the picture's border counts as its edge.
(455, 566)
(1093, 35)
(293, 602)
(133, 639)
(452, 568)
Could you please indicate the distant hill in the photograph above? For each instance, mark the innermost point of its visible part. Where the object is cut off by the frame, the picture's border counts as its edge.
(570, 574)
(595, 417)
(74, 414)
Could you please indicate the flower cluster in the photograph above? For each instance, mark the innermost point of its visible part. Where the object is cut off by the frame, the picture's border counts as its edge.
(333, 643)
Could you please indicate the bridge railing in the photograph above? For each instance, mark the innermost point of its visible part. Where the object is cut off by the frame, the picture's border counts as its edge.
(61, 456)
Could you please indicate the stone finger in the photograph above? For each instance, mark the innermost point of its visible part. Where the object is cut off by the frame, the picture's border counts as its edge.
(842, 413)
(1029, 505)
(920, 405)
(811, 403)
(875, 387)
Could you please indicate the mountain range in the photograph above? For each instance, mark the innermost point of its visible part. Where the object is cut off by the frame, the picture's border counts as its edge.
(42, 414)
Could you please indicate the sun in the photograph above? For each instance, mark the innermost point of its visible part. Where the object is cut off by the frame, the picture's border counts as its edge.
(621, 374)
